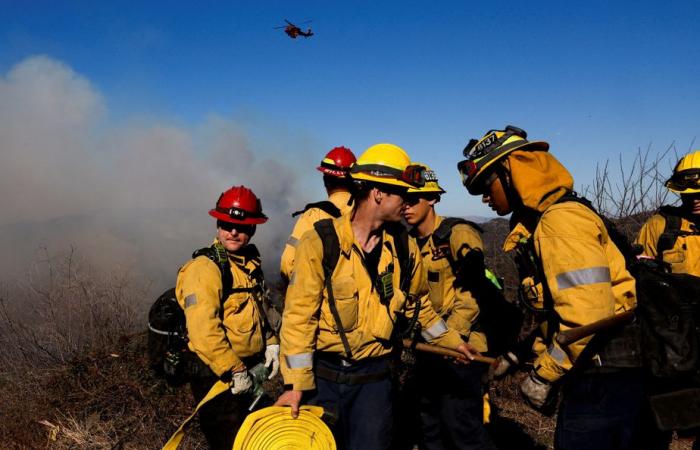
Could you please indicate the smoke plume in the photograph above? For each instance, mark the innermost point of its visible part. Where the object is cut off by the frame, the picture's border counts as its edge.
(130, 199)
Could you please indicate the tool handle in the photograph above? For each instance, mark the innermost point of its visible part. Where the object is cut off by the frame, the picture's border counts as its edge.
(444, 351)
(572, 335)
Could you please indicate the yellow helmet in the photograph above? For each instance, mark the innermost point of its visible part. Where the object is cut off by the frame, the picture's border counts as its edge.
(686, 175)
(386, 164)
(273, 428)
(483, 153)
(431, 182)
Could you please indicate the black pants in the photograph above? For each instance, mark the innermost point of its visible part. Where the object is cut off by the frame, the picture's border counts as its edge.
(221, 417)
(451, 405)
(363, 412)
(600, 411)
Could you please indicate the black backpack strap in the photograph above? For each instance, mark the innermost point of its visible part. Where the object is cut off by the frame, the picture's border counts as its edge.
(326, 206)
(331, 254)
(672, 229)
(441, 235)
(406, 261)
(217, 254)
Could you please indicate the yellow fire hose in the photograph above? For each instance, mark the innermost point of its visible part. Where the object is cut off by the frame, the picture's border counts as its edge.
(270, 428)
(273, 428)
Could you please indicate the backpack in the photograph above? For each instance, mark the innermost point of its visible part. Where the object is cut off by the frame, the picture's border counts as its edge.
(668, 313)
(331, 255)
(499, 319)
(168, 353)
(325, 205)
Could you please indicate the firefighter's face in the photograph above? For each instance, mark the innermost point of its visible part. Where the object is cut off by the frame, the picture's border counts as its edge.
(691, 202)
(417, 209)
(391, 204)
(495, 196)
(234, 236)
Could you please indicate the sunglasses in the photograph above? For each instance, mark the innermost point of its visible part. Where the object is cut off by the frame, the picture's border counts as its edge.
(239, 227)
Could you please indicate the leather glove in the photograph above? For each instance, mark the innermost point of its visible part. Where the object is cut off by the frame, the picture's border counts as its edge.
(504, 364)
(535, 390)
(241, 383)
(272, 358)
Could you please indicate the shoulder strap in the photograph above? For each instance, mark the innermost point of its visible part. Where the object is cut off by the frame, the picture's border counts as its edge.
(672, 229)
(400, 235)
(442, 234)
(326, 206)
(217, 254)
(331, 254)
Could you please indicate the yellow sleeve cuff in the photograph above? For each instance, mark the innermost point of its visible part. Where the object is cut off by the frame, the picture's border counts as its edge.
(547, 368)
(299, 379)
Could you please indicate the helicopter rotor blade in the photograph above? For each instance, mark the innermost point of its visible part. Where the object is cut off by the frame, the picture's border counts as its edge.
(290, 23)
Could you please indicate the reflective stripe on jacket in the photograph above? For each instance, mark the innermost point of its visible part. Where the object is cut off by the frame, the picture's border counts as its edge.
(585, 273)
(684, 256)
(305, 223)
(308, 325)
(455, 305)
(222, 336)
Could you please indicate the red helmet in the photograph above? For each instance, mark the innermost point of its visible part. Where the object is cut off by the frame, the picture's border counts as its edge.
(337, 162)
(239, 205)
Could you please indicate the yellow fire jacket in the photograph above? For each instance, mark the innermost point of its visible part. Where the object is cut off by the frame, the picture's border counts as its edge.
(456, 306)
(222, 334)
(684, 256)
(305, 223)
(583, 269)
(308, 325)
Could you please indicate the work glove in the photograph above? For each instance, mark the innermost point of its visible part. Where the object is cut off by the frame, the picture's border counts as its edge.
(535, 390)
(504, 364)
(241, 383)
(272, 358)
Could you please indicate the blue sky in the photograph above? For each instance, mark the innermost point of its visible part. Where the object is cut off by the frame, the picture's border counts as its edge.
(593, 78)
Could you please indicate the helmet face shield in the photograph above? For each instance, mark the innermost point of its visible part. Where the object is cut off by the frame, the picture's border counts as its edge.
(412, 175)
(685, 181)
(686, 175)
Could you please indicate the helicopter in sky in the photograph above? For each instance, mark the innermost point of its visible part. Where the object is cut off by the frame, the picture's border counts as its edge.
(293, 31)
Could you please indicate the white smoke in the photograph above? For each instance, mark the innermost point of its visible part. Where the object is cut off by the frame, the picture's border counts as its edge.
(126, 198)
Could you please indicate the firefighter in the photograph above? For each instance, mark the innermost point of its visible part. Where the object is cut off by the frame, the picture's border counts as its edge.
(573, 274)
(675, 229)
(451, 410)
(335, 168)
(340, 310)
(671, 236)
(226, 324)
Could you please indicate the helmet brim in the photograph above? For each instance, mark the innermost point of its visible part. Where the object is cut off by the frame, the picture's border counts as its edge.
(335, 173)
(247, 221)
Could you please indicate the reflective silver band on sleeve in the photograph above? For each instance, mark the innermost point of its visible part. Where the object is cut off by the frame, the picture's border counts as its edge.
(300, 361)
(292, 241)
(584, 276)
(557, 354)
(437, 330)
